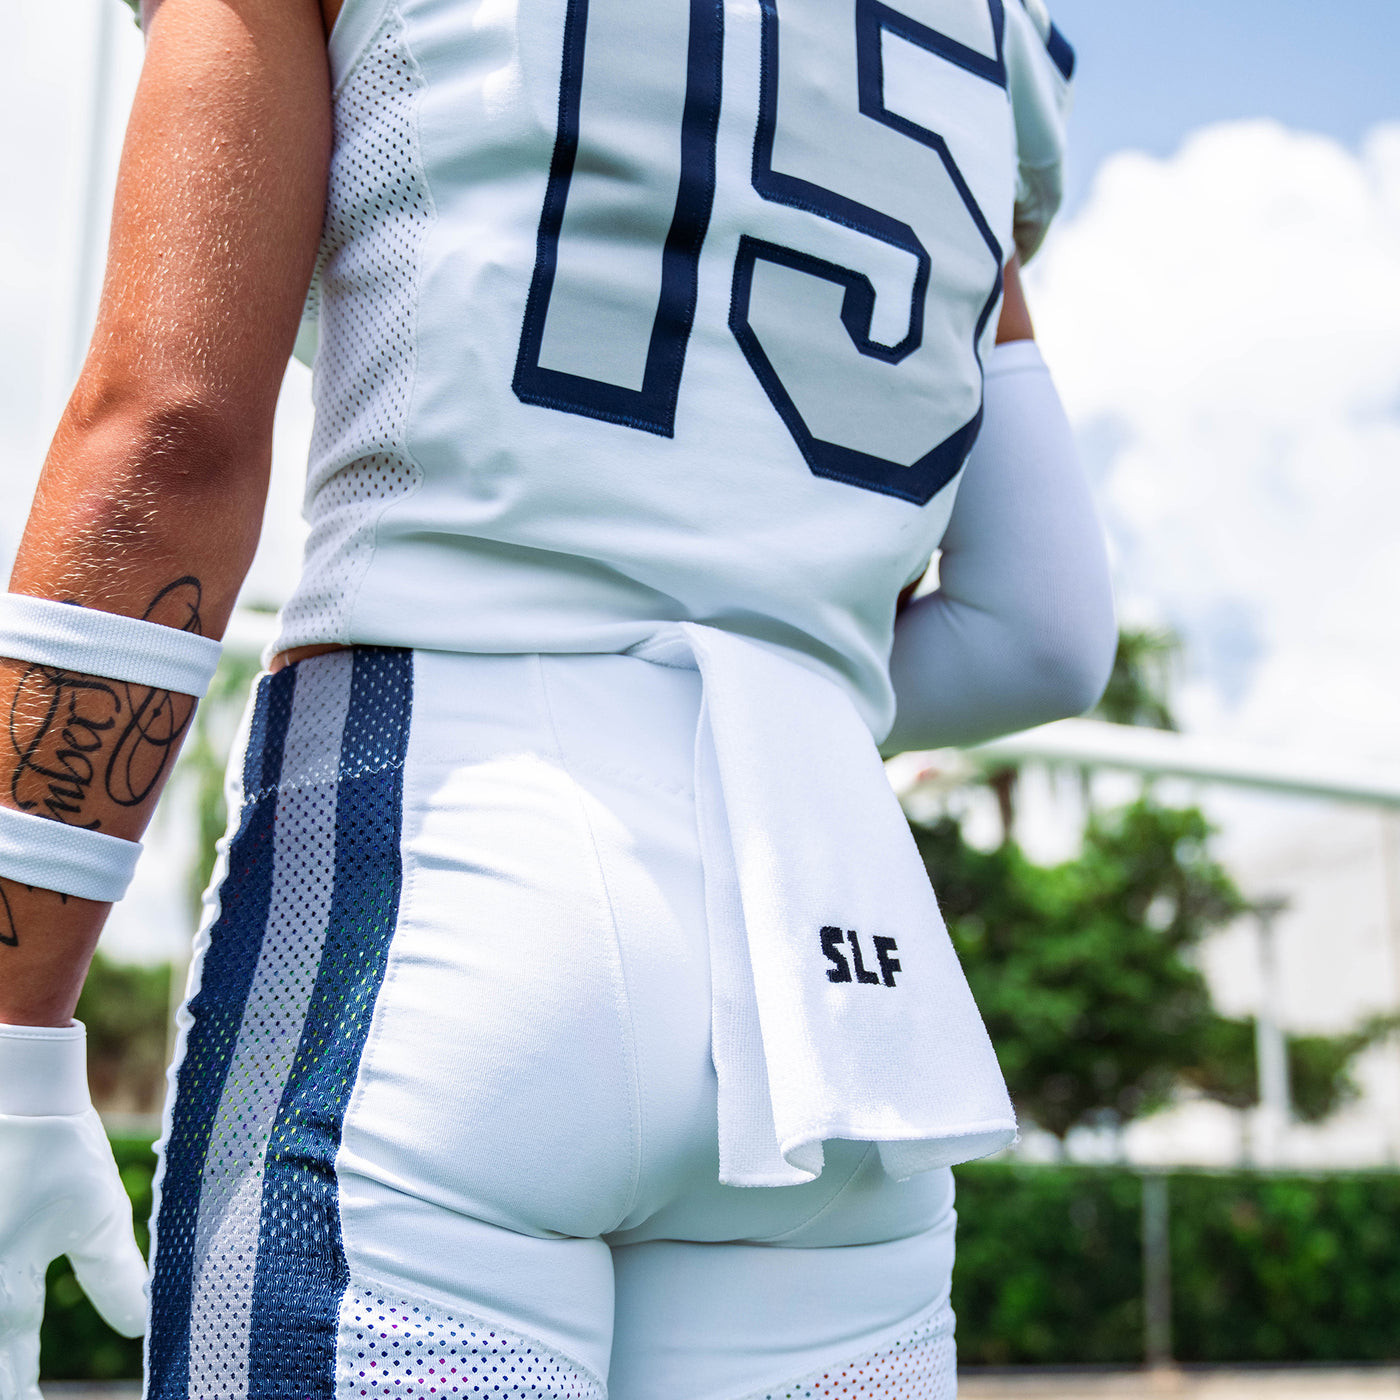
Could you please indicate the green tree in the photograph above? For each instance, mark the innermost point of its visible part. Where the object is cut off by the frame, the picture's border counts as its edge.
(1227, 1070)
(1319, 1066)
(1083, 970)
(1086, 978)
(1140, 683)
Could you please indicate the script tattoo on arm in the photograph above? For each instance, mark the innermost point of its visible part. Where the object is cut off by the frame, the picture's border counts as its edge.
(82, 742)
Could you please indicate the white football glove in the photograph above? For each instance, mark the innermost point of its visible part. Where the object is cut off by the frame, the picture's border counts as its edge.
(60, 1193)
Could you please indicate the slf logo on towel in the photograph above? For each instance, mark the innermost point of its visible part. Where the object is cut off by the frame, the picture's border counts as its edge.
(832, 938)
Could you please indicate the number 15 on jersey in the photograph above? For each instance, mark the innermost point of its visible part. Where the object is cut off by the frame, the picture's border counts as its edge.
(857, 236)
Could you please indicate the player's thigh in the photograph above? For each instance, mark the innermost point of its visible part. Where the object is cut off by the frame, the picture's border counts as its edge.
(441, 1304)
(806, 1314)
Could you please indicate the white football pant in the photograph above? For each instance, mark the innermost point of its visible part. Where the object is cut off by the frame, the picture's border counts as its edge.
(445, 1120)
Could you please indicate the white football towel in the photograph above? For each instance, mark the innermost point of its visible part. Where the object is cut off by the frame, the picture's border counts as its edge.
(840, 1009)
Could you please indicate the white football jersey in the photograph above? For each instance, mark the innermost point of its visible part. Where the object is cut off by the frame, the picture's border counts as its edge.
(641, 312)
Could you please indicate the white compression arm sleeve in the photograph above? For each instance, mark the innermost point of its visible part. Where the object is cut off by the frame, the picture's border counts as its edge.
(1021, 628)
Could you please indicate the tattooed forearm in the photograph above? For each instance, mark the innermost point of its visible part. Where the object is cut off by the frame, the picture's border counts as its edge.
(80, 741)
(156, 723)
(84, 749)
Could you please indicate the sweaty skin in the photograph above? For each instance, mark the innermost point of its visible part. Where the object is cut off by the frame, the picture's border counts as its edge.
(1015, 322)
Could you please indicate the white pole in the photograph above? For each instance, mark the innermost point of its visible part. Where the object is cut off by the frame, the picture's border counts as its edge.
(1271, 1046)
(1156, 1271)
(1090, 743)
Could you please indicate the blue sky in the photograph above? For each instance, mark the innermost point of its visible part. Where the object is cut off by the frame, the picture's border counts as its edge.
(1148, 74)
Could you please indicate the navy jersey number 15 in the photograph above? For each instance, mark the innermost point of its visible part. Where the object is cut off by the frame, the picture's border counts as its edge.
(862, 192)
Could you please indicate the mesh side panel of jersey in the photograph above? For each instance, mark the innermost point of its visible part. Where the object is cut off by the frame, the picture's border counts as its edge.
(378, 209)
(921, 1365)
(393, 1347)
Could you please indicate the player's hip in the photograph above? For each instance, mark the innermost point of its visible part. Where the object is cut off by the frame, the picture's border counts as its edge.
(472, 883)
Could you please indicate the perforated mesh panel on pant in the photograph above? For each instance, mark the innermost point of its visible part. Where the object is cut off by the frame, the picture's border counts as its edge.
(249, 1269)
(378, 209)
(299, 899)
(919, 1366)
(390, 1346)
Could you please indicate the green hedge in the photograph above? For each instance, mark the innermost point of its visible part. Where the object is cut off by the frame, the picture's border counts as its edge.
(1265, 1267)
(1284, 1268)
(1268, 1268)
(1048, 1269)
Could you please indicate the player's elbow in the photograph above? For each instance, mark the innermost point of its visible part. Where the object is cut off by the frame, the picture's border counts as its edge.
(147, 470)
(1067, 666)
(178, 440)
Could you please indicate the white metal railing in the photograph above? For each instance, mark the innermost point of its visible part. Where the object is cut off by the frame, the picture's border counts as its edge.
(1095, 744)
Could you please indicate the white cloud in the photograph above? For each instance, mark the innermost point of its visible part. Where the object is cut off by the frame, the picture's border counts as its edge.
(1223, 328)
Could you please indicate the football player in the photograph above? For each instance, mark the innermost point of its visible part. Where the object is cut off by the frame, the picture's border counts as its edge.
(567, 1018)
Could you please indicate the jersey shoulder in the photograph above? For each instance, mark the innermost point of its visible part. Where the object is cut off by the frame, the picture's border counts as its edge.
(1040, 66)
(1057, 47)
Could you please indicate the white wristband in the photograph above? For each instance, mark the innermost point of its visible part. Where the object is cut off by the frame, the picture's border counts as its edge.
(43, 1070)
(96, 643)
(49, 855)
